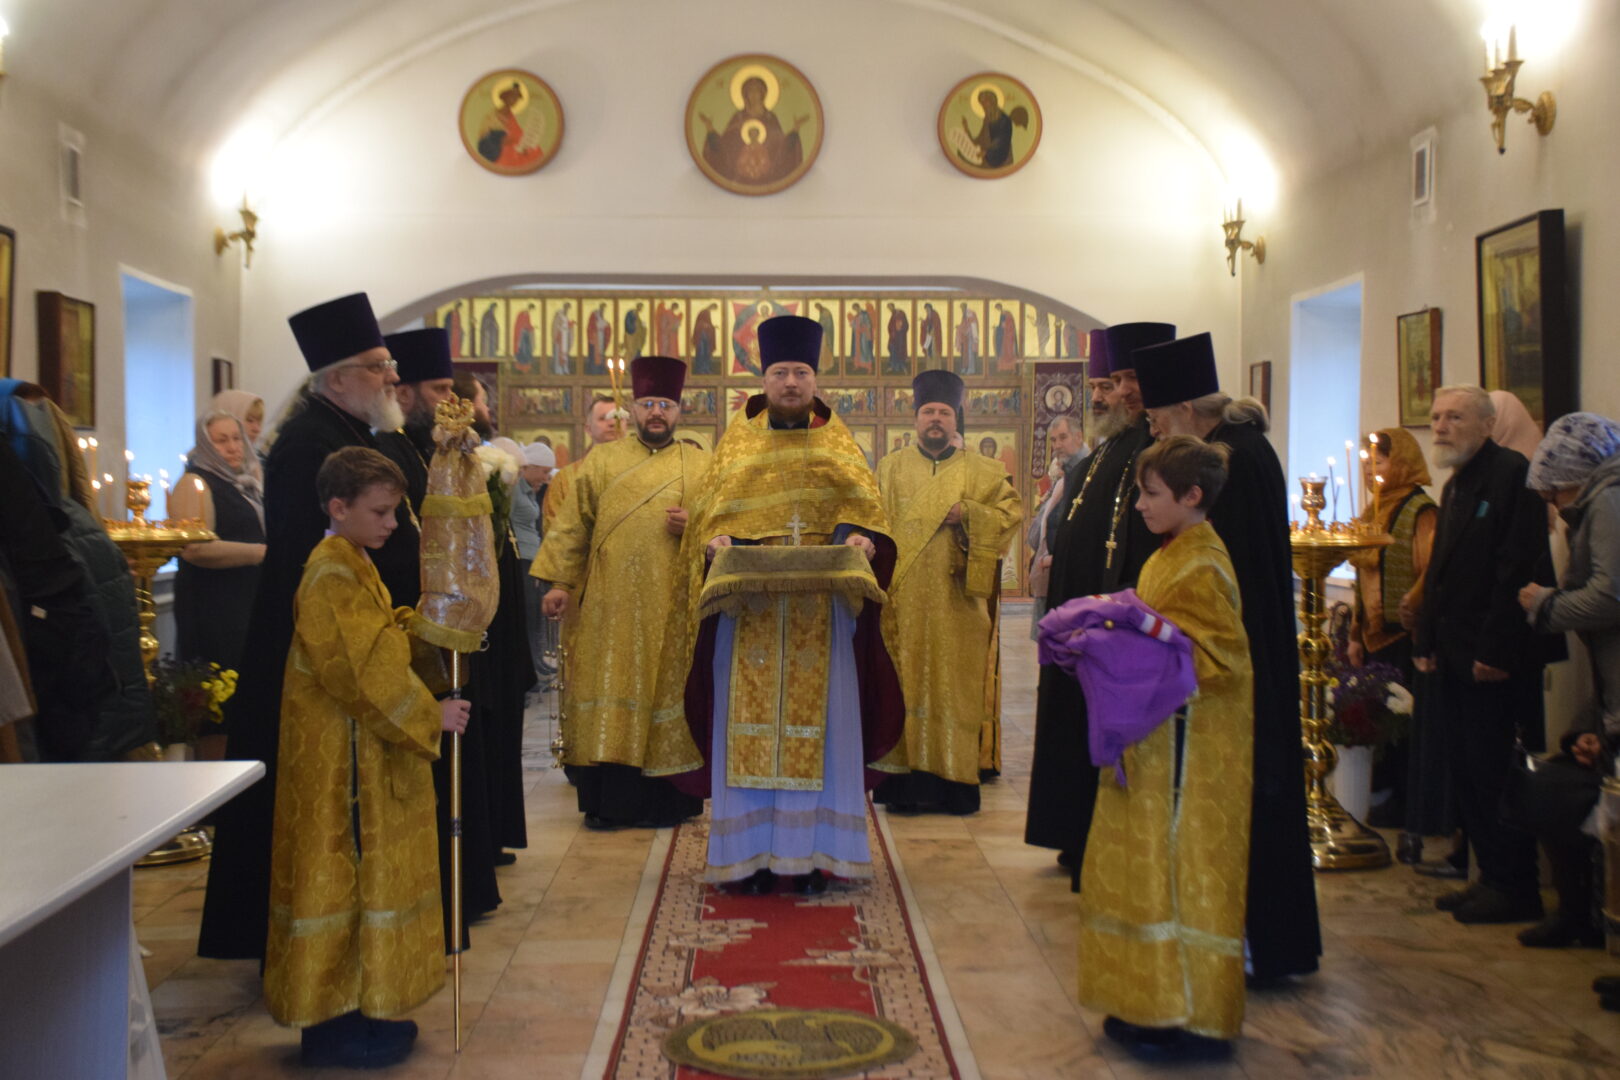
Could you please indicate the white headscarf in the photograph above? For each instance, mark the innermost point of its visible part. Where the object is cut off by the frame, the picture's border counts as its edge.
(205, 455)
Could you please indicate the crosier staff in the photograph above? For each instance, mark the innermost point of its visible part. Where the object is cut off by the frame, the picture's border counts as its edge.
(460, 593)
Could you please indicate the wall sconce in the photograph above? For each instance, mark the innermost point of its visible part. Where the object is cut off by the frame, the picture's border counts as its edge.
(1499, 100)
(1233, 228)
(247, 234)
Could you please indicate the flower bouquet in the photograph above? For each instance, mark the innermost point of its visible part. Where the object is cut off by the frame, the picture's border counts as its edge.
(189, 695)
(500, 473)
(1370, 705)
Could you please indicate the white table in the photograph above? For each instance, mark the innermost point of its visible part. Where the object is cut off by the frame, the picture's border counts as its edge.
(69, 838)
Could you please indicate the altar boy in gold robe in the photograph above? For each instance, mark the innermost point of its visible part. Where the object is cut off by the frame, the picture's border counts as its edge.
(356, 932)
(953, 514)
(1164, 886)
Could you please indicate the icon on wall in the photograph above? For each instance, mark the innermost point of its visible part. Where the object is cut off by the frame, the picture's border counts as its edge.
(754, 124)
(989, 125)
(511, 122)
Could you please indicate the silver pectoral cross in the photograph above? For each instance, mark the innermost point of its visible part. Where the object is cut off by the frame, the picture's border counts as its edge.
(797, 526)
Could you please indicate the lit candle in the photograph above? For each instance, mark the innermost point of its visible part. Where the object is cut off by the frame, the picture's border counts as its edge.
(1333, 486)
(1378, 492)
(101, 500)
(109, 489)
(1513, 42)
(206, 498)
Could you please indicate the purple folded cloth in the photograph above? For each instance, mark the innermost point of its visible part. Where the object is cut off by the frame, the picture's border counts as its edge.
(1135, 667)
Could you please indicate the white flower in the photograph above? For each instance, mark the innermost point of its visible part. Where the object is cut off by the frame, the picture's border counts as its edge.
(492, 458)
(1399, 700)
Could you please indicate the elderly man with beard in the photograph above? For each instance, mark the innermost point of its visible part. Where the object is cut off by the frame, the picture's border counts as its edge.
(1099, 544)
(1473, 637)
(426, 380)
(611, 552)
(349, 397)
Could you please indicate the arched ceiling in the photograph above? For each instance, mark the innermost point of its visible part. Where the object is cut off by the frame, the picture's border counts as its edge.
(1316, 83)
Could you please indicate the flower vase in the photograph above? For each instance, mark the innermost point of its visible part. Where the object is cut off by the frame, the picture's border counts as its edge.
(1351, 781)
(179, 752)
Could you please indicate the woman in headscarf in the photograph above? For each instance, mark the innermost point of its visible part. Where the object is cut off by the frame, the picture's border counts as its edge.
(1576, 468)
(1514, 427)
(216, 582)
(1389, 588)
(248, 408)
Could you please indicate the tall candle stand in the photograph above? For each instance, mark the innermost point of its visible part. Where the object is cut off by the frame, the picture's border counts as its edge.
(1338, 840)
(148, 545)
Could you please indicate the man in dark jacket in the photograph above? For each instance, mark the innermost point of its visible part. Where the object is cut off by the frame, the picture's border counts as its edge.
(350, 395)
(1472, 634)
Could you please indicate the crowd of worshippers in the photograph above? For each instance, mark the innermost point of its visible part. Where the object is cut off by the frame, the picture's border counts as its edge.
(775, 629)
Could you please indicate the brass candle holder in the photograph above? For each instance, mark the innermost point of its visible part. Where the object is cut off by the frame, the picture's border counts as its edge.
(148, 546)
(1338, 840)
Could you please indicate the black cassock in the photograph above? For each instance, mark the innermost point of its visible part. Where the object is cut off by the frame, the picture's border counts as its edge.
(236, 909)
(1063, 782)
(1251, 517)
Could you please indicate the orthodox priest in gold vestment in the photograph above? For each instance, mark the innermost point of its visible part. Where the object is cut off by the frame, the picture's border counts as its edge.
(611, 552)
(355, 920)
(777, 694)
(953, 514)
(1164, 885)
(601, 426)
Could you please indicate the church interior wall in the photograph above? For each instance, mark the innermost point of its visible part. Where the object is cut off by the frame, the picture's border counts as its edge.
(1359, 220)
(141, 212)
(375, 191)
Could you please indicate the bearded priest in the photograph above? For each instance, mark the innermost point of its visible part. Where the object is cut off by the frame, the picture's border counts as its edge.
(953, 514)
(348, 399)
(610, 554)
(783, 709)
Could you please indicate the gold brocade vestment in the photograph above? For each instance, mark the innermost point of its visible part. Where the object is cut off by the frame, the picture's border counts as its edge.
(1164, 886)
(355, 921)
(609, 547)
(761, 481)
(944, 580)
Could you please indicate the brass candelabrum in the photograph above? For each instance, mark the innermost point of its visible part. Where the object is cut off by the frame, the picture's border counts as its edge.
(1338, 841)
(147, 546)
(1501, 99)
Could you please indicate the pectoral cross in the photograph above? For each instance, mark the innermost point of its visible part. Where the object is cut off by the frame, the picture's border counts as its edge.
(1111, 545)
(797, 526)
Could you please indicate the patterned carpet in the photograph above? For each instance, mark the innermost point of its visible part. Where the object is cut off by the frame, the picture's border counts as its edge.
(740, 961)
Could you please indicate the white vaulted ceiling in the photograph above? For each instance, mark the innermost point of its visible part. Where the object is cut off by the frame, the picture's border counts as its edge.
(1315, 82)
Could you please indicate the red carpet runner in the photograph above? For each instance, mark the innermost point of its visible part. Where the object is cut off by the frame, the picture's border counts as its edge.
(708, 953)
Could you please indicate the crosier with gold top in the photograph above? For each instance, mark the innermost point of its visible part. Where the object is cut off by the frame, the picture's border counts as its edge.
(1338, 840)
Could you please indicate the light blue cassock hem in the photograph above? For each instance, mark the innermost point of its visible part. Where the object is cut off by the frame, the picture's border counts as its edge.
(794, 832)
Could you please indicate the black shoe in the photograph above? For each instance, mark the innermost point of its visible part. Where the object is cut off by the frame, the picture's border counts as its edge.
(352, 1041)
(1606, 984)
(812, 884)
(758, 883)
(602, 824)
(1494, 906)
(505, 858)
(1554, 933)
(1165, 1044)
(1456, 898)
(1444, 869)
(1069, 860)
(1409, 849)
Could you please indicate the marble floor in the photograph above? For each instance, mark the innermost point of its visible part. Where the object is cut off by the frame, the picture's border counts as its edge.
(1404, 991)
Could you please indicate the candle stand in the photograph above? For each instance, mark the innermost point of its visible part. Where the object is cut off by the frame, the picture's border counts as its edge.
(148, 545)
(1338, 840)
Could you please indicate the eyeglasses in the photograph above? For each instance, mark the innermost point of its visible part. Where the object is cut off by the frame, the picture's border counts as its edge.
(659, 404)
(377, 367)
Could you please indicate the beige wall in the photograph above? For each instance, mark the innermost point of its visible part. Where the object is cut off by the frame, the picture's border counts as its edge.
(142, 213)
(1358, 220)
(1117, 215)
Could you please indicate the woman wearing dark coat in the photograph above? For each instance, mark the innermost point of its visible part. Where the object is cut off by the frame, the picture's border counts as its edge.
(1577, 469)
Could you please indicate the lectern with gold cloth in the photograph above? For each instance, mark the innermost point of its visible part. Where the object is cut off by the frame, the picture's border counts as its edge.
(776, 708)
